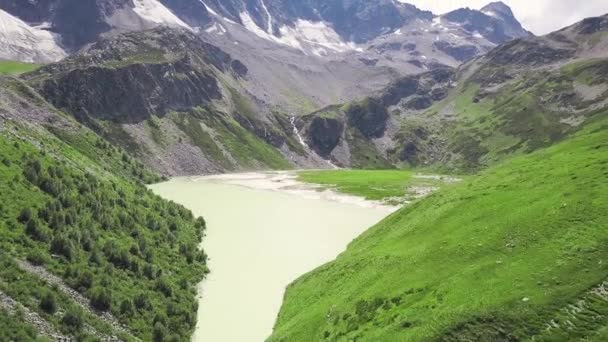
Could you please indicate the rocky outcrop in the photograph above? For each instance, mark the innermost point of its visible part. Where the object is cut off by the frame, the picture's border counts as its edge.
(171, 100)
(369, 117)
(529, 52)
(131, 77)
(356, 125)
(131, 93)
(458, 52)
(324, 134)
(592, 25)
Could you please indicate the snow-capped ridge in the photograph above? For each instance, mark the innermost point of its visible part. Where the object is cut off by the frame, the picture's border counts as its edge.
(19, 41)
(155, 12)
(313, 37)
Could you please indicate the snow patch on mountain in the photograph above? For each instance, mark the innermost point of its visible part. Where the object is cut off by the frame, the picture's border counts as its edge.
(217, 28)
(209, 9)
(317, 34)
(153, 11)
(310, 37)
(255, 29)
(19, 41)
(269, 16)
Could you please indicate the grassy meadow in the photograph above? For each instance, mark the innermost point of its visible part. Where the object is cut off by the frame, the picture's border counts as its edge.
(16, 68)
(517, 252)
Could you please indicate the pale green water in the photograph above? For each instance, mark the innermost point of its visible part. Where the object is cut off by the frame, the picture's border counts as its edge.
(258, 242)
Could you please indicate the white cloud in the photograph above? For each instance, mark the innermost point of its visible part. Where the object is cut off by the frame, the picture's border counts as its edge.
(538, 16)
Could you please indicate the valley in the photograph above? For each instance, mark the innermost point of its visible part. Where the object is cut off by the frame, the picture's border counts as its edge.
(315, 170)
(261, 238)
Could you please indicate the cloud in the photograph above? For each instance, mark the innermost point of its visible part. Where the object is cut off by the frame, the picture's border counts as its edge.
(538, 16)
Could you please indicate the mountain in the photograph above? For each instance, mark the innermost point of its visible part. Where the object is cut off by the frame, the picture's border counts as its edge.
(342, 43)
(335, 25)
(174, 101)
(530, 92)
(86, 250)
(301, 55)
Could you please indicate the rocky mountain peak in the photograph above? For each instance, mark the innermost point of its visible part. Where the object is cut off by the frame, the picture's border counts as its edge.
(495, 21)
(498, 8)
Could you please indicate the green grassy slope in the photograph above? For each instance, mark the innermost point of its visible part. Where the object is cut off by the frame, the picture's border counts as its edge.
(77, 205)
(15, 68)
(107, 234)
(485, 124)
(498, 257)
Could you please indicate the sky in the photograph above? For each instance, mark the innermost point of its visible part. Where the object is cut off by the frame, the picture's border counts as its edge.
(538, 16)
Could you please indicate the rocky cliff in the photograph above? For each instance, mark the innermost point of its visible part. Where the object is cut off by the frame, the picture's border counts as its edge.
(174, 101)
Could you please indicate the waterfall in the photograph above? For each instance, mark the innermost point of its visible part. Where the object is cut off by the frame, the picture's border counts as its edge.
(296, 131)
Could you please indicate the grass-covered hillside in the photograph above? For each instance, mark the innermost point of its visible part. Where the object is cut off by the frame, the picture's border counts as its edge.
(516, 253)
(86, 250)
(16, 68)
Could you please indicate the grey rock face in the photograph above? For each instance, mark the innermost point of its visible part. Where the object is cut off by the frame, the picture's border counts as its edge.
(130, 77)
(324, 134)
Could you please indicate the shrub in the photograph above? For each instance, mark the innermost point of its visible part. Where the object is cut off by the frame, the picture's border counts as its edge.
(84, 281)
(48, 303)
(126, 308)
(73, 319)
(101, 299)
(200, 223)
(36, 231)
(141, 302)
(62, 246)
(37, 258)
(159, 332)
(163, 286)
(25, 215)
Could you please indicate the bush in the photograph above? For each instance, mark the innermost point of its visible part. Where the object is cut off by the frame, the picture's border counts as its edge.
(141, 302)
(159, 332)
(126, 308)
(84, 281)
(163, 286)
(36, 231)
(25, 215)
(73, 319)
(200, 223)
(48, 303)
(37, 258)
(62, 246)
(101, 299)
